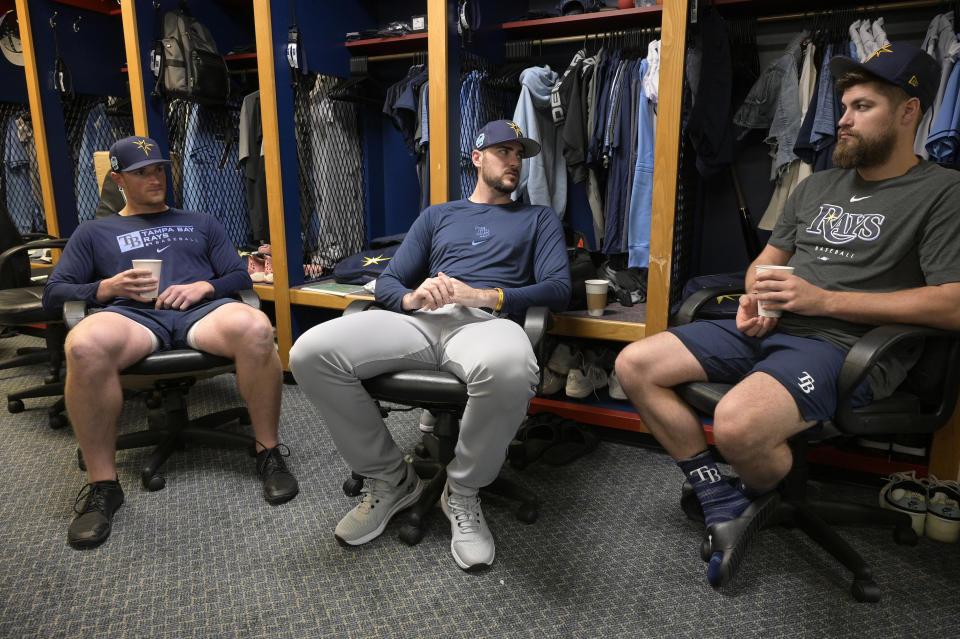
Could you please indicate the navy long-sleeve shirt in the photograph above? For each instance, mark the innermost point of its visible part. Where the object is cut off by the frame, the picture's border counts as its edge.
(518, 248)
(194, 247)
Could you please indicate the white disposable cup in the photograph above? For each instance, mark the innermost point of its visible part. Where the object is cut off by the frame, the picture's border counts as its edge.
(596, 296)
(770, 267)
(154, 266)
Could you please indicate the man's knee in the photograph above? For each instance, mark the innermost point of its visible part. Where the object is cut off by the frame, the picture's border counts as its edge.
(659, 360)
(741, 428)
(94, 345)
(248, 328)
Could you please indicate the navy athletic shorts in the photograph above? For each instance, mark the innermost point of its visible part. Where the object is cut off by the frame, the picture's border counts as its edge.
(807, 367)
(170, 326)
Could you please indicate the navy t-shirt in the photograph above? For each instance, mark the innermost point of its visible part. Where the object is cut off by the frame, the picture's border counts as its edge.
(194, 247)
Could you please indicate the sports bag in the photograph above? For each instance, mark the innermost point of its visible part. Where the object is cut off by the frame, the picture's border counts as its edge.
(187, 63)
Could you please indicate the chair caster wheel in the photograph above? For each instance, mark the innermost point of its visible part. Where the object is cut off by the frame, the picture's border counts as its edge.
(410, 534)
(352, 486)
(57, 421)
(705, 550)
(421, 451)
(82, 465)
(153, 482)
(905, 536)
(865, 590)
(15, 406)
(527, 513)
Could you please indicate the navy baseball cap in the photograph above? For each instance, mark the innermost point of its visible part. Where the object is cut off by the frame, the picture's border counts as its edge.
(500, 131)
(135, 152)
(901, 64)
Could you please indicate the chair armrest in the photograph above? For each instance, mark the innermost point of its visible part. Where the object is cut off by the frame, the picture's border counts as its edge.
(536, 323)
(57, 243)
(863, 355)
(692, 305)
(73, 312)
(249, 297)
(357, 306)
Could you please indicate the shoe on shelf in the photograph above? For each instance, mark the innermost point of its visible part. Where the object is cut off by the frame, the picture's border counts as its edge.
(279, 484)
(552, 382)
(943, 510)
(379, 503)
(907, 494)
(562, 359)
(255, 267)
(614, 387)
(584, 382)
(911, 448)
(427, 421)
(94, 519)
(471, 542)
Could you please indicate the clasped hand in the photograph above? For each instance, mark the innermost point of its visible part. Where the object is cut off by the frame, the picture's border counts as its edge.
(778, 292)
(436, 292)
(132, 282)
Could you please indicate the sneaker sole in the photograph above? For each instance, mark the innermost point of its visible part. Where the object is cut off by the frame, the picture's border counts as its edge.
(403, 504)
(941, 529)
(460, 562)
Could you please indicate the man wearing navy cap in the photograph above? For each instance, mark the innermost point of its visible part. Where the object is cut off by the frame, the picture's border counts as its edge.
(463, 269)
(201, 271)
(875, 241)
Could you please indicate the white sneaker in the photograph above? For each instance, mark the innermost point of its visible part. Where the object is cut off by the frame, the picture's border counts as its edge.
(943, 511)
(380, 502)
(906, 494)
(562, 359)
(614, 387)
(583, 382)
(471, 543)
(427, 421)
(552, 382)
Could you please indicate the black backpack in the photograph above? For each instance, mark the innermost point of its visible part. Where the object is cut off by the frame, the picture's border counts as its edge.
(187, 63)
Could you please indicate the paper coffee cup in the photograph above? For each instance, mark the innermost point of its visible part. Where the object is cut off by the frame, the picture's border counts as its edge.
(154, 266)
(770, 267)
(596, 296)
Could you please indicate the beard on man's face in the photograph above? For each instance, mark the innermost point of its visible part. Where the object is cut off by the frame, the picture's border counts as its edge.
(498, 184)
(860, 152)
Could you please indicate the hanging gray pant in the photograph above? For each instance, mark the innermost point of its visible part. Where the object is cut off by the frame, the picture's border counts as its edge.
(492, 356)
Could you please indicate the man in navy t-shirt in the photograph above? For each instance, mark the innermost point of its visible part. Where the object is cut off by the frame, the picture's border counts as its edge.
(462, 269)
(200, 272)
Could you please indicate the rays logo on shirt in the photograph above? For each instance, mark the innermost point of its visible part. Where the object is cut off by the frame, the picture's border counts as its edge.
(836, 226)
(480, 235)
(157, 236)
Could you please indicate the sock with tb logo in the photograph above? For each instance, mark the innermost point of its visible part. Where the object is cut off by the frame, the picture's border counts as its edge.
(720, 500)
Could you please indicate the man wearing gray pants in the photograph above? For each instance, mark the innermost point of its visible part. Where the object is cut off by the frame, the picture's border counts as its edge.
(464, 269)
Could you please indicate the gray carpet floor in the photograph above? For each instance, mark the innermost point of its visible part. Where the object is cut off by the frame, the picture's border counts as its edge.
(610, 556)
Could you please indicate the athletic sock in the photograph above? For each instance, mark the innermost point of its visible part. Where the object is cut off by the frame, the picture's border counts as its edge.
(720, 501)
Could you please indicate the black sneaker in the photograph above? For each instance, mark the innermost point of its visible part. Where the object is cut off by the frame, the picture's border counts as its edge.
(279, 484)
(92, 525)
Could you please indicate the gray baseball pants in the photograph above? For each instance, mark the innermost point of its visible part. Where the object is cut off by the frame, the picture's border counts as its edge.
(491, 355)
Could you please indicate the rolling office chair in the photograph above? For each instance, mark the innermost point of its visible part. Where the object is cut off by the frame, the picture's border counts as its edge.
(22, 307)
(166, 378)
(922, 404)
(445, 396)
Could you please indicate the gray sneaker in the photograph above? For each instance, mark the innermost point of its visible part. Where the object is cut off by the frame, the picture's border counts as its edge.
(471, 542)
(380, 502)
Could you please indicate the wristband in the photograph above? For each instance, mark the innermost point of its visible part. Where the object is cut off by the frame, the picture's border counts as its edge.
(499, 299)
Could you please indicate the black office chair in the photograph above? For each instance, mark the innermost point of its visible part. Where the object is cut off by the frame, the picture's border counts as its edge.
(444, 395)
(22, 308)
(166, 377)
(923, 404)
